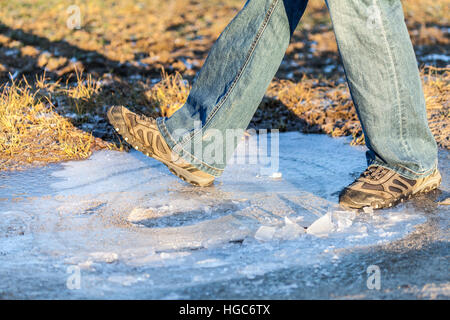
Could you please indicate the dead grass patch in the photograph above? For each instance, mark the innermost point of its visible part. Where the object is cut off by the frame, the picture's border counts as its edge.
(436, 86)
(169, 94)
(32, 133)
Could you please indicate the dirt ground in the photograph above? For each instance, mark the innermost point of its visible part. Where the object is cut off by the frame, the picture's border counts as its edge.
(144, 54)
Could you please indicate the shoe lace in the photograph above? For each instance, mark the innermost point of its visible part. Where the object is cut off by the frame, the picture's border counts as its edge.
(373, 173)
(145, 118)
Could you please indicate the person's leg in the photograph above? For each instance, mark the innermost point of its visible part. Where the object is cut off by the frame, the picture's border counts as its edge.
(385, 84)
(232, 82)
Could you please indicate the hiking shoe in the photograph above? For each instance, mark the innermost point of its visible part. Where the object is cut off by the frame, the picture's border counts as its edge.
(378, 187)
(143, 134)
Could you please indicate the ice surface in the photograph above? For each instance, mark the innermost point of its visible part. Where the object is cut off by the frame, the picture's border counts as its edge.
(136, 231)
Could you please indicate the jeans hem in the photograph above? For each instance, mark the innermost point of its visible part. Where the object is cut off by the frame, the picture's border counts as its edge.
(179, 150)
(403, 171)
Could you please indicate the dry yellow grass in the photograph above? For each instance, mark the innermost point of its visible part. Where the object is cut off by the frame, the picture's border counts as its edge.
(427, 11)
(169, 94)
(32, 133)
(436, 86)
(436, 83)
(81, 94)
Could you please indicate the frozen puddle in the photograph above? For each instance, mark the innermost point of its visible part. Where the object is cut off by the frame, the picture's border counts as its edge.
(130, 229)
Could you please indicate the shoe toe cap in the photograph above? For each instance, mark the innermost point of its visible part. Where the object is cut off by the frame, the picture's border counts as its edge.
(357, 199)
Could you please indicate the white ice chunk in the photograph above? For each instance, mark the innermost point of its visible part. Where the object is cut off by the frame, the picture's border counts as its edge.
(331, 222)
(343, 219)
(290, 230)
(322, 226)
(265, 233)
(368, 210)
(276, 175)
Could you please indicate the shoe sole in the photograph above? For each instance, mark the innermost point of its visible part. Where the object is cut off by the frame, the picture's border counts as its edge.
(430, 185)
(176, 170)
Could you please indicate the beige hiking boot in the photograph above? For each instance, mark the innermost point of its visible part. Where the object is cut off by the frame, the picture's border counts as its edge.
(143, 134)
(378, 187)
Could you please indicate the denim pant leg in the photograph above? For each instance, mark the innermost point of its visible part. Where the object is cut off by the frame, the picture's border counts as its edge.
(385, 85)
(232, 83)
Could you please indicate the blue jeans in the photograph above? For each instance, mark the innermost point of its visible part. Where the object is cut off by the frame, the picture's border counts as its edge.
(380, 67)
